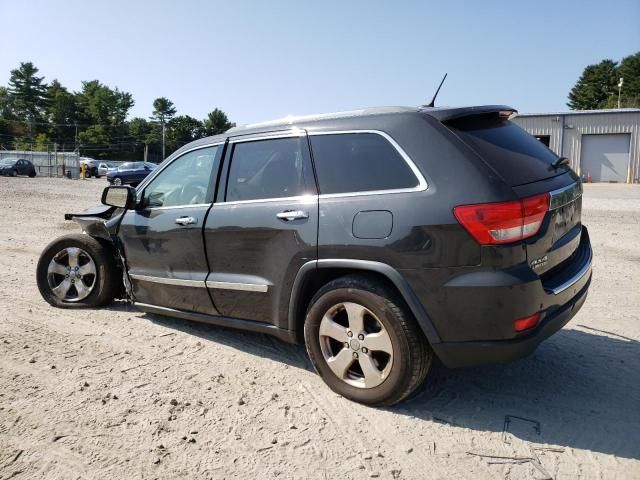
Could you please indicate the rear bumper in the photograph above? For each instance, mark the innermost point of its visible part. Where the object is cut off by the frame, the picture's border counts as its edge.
(474, 312)
(471, 354)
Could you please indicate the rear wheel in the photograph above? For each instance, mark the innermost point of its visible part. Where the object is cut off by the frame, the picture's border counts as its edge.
(364, 343)
(77, 271)
(32, 173)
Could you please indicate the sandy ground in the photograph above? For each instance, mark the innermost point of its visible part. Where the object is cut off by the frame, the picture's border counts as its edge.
(115, 394)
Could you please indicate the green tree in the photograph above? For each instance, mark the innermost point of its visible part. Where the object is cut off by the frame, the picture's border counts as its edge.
(629, 69)
(103, 105)
(139, 133)
(217, 122)
(182, 130)
(41, 142)
(105, 111)
(61, 113)
(594, 87)
(163, 111)
(6, 117)
(28, 94)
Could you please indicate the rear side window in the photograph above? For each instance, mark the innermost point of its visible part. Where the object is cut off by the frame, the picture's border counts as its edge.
(270, 169)
(359, 162)
(508, 149)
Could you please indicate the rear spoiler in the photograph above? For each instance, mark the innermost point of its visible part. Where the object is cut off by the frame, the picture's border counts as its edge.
(448, 114)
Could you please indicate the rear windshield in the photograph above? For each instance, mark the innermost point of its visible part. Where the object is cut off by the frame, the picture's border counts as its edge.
(508, 149)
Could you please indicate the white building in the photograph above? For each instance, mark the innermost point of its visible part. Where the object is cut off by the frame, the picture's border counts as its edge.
(601, 144)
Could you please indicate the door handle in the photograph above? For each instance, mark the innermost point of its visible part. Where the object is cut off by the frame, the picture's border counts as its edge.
(289, 215)
(186, 221)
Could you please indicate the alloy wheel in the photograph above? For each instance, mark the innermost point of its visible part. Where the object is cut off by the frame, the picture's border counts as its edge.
(71, 274)
(356, 345)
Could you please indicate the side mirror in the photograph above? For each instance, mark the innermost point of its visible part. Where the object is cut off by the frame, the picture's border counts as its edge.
(121, 197)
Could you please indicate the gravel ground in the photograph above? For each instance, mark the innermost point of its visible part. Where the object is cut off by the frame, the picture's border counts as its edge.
(114, 393)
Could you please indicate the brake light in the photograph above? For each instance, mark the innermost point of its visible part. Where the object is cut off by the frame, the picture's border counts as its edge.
(527, 322)
(503, 222)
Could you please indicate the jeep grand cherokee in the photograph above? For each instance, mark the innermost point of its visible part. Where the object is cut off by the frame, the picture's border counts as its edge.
(379, 237)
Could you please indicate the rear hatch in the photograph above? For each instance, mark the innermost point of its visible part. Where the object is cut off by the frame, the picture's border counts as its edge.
(526, 165)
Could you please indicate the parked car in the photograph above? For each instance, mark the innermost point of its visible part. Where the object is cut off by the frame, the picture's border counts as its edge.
(103, 168)
(17, 166)
(379, 238)
(130, 173)
(91, 167)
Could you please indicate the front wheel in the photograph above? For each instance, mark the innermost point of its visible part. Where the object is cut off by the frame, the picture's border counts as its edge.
(14, 173)
(117, 181)
(364, 343)
(77, 271)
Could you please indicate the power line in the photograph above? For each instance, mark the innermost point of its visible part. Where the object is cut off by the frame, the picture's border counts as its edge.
(27, 122)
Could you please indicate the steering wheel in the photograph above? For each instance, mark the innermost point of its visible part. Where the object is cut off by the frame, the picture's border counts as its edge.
(193, 193)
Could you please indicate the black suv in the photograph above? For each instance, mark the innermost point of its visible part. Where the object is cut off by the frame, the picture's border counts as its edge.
(379, 237)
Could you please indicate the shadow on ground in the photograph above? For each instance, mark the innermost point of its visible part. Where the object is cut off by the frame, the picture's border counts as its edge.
(580, 389)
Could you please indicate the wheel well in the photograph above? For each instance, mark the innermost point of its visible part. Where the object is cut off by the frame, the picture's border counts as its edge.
(318, 278)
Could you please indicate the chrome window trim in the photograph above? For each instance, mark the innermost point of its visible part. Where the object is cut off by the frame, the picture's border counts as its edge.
(422, 182)
(559, 193)
(303, 200)
(244, 287)
(149, 178)
(168, 281)
(178, 207)
(292, 133)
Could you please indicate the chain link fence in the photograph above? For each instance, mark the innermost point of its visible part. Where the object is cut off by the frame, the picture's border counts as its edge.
(48, 164)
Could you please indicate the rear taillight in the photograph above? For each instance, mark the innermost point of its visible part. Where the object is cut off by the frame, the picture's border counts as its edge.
(503, 222)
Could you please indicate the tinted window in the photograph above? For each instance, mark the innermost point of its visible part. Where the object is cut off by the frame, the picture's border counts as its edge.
(359, 162)
(186, 181)
(269, 169)
(514, 154)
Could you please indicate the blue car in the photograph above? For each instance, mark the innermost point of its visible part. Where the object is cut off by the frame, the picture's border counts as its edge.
(130, 173)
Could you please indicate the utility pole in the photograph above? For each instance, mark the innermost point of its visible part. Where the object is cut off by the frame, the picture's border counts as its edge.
(162, 119)
(620, 89)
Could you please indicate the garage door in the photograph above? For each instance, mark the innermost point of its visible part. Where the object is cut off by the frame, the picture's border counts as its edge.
(606, 157)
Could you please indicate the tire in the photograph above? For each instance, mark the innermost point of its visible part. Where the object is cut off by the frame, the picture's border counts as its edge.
(13, 173)
(103, 285)
(395, 374)
(32, 174)
(117, 181)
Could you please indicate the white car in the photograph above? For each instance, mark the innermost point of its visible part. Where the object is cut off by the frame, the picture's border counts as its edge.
(104, 167)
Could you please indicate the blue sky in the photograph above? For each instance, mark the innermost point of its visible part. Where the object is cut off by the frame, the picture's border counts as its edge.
(263, 60)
